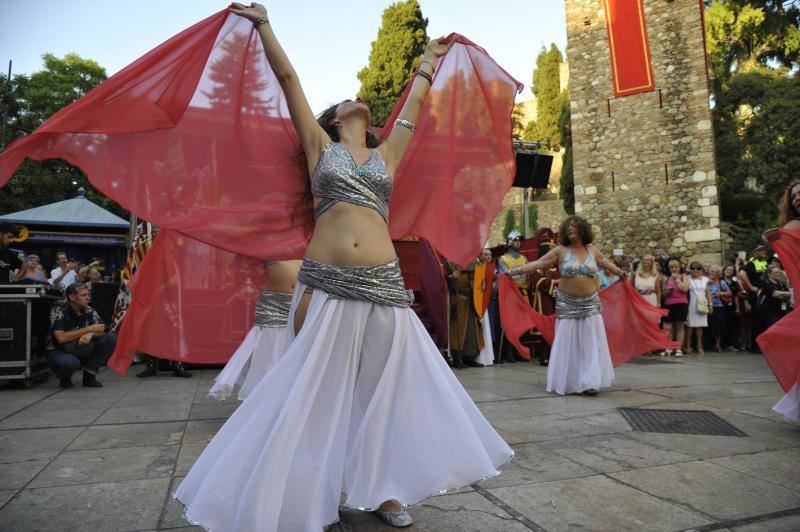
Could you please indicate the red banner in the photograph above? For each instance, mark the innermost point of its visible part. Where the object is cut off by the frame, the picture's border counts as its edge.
(631, 65)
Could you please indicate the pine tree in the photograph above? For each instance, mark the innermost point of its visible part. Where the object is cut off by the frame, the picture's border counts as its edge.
(567, 182)
(394, 56)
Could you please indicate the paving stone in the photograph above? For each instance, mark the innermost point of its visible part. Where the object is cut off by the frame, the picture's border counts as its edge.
(32, 444)
(712, 489)
(188, 454)
(790, 523)
(17, 474)
(560, 426)
(463, 512)
(213, 411)
(613, 452)
(108, 465)
(202, 430)
(5, 496)
(38, 416)
(544, 406)
(112, 506)
(754, 406)
(173, 511)
(719, 391)
(532, 464)
(136, 414)
(131, 435)
(595, 503)
(780, 467)
(506, 389)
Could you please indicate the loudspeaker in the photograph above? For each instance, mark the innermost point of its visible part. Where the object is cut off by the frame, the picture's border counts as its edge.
(104, 296)
(533, 170)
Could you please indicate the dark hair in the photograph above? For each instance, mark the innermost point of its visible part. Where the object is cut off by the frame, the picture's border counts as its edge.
(74, 288)
(787, 212)
(695, 265)
(584, 230)
(8, 227)
(325, 121)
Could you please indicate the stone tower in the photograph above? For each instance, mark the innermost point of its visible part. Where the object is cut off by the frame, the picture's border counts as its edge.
(644, 163)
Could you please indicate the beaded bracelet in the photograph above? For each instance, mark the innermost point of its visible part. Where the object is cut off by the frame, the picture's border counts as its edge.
(425, 75)
(259, 21)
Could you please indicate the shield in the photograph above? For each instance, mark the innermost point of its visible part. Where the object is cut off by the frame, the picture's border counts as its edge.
(482, 287)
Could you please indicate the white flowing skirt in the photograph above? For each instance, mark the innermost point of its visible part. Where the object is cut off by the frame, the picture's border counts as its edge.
(486, 356)
(789, 405)
(258, 353)
(579, 359)
(361, 405)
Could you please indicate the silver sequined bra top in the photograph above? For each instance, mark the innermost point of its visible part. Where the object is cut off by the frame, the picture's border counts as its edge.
(570, 267)
(337, 177)
(272, 309)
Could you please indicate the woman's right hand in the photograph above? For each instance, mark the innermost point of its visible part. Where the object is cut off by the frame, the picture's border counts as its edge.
(251, 13)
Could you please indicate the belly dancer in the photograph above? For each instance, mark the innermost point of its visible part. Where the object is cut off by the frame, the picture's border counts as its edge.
(361, 410)
(267, 339)
(580, 361)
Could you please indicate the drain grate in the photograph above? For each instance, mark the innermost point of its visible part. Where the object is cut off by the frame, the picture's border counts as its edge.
(679, 422)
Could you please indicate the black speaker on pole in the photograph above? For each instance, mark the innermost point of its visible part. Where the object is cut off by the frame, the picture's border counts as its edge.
(533, 170)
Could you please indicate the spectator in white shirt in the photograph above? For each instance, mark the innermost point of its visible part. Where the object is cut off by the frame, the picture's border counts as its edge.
(64, 274)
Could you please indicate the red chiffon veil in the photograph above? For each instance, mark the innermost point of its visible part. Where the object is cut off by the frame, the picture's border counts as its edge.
(195, 137)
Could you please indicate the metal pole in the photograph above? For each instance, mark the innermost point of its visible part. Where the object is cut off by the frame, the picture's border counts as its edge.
(5, 109)
(525, 212)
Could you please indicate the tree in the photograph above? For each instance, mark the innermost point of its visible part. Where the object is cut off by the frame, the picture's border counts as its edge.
(567, 181)
(754, 47)
(394, 56)
(32, 100)
(509, 224)
(547, 90)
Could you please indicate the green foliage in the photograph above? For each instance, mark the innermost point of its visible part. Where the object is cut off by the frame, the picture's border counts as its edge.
(516, 122)
(533, 219)
(509, 224)
(32, 100)
(754, 47)
(394, 56)
(567, 181)
(547, 89)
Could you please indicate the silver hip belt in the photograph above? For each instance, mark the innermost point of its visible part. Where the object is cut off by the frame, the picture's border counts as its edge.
(379, 283)
(272, 309)
(576, 307)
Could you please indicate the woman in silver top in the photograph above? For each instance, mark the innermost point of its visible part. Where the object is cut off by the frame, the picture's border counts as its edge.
(266, 341)
(361, 410)
(580, 361)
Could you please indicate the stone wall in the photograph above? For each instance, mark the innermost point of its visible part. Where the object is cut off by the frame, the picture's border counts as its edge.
(644, 164)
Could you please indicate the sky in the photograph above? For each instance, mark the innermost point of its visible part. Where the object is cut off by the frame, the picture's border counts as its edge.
(328, 42)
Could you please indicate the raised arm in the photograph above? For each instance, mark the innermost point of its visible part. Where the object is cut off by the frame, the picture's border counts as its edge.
(312, 136)
(400, 137)
(605, 263)
(549, 260)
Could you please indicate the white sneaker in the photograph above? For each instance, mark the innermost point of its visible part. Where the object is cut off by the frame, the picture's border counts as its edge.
(678, 353)
(664, 353)
(399, 519)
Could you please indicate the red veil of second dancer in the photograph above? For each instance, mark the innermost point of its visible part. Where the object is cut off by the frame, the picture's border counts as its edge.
(195, 137)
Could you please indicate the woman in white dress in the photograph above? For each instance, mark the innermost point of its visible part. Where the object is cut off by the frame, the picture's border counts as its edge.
(267, 339)
(698, 318)
(361, 410)
(580, 361)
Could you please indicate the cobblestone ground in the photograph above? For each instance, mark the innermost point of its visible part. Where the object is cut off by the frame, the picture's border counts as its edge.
(107, 459)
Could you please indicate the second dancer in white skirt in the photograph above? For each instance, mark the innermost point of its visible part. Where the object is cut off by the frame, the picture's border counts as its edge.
(267, 339)
(580, 361)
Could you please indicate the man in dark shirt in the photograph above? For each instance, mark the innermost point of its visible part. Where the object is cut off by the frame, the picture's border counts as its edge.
(78, 339)
(751, 281)
(8, 259)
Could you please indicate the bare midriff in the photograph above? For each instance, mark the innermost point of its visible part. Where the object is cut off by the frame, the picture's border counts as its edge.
(577, 286)
(282, 276)
(351, 235)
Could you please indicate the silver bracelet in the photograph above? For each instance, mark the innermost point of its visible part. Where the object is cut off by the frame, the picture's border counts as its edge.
(411, 126)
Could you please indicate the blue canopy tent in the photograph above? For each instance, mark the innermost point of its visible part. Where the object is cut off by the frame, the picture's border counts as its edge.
(84, 230)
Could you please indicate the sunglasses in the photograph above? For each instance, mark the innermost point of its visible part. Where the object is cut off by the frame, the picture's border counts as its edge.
(697, 269)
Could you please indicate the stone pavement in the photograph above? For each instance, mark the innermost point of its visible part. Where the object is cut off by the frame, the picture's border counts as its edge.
(107, 459)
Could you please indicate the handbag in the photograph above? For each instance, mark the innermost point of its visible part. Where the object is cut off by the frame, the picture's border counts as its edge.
(702, 305)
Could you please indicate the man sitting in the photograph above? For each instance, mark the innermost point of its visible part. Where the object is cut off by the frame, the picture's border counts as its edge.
(64, 272)
(78, 339)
